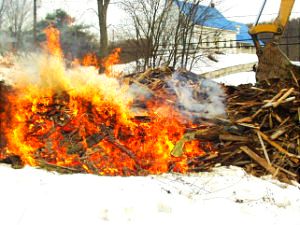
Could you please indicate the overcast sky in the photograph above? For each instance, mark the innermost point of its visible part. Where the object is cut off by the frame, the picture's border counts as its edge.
(238, 10)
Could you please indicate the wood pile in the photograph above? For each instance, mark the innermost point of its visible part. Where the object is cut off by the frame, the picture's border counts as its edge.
(265, 135)
(261, 132)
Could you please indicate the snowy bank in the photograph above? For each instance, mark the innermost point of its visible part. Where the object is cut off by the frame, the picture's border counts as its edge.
(204, 64)
(225, 196)
(237, 79)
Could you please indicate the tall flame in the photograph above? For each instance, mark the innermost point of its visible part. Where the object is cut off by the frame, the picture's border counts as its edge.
(111, 60)
(53, 41)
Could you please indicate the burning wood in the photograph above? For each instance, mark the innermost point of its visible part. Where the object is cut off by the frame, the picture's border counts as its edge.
(261, 134)
(73, 120)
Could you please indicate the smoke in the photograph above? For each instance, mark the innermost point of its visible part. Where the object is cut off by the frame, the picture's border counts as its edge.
(198, 97)
(41, 74)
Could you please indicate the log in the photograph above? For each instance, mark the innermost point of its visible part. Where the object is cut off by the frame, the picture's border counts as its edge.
(230, 137)
(262, 162)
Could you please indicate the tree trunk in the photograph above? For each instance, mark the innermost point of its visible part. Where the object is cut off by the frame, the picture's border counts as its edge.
(102, 16)
(34, 22)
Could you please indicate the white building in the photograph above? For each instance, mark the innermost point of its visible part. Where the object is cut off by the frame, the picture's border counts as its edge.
(212, 29)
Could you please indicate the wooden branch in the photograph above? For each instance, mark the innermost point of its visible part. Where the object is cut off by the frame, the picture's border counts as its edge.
(277, 146)
(270, 102)
(144, 87)
(230, 137)
(278, 133)
(294, 77)
(58, 168)
(283, 97)
(262, 162)
(263, 147)
(122, 148)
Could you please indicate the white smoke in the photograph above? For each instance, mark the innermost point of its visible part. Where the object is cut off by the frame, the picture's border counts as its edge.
(198, 97)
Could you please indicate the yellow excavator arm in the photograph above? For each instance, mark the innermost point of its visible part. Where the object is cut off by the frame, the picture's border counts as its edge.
(272, 62)
(278, 26)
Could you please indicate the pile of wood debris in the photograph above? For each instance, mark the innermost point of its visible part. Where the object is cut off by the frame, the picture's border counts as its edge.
(261, 132)
(265, 136)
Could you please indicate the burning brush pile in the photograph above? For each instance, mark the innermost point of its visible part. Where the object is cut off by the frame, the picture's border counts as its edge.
(71, 119)
(261, 131)
(74, 120)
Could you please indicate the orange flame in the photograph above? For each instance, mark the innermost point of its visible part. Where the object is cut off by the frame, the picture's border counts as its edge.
(89, 125)
(53, 41)
(112, 59)
(90, 59)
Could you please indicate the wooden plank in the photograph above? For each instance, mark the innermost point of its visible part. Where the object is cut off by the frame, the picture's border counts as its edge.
(262, 162)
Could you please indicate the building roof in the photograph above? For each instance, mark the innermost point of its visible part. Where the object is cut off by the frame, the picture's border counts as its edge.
(243, 35)
(211, 17)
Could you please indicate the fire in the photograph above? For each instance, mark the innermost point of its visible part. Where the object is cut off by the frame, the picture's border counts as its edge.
(53, 41)
(77, 119)
(111, 60)
(90, 59)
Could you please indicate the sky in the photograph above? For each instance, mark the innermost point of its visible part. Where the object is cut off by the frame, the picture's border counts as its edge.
(240, 11)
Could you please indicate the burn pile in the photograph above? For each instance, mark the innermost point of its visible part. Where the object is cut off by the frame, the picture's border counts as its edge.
(264, 138)
(101, 129)
(72, 133)
(73, 120)
(260, 133)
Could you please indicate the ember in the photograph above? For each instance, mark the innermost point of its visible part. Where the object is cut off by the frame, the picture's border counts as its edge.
(78, 121)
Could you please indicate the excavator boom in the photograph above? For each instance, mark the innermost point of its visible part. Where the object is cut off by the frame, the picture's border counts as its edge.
(277, 27)
(272, 62)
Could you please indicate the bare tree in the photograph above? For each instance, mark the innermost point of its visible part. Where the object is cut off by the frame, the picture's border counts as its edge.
(172, 34)
(149, 18)
(190, 37)
(17, 14)
(102, 16)
(2, 11)
(34, 21)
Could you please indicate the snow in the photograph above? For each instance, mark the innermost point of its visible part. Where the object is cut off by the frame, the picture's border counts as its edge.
(204, 65)
(297, 63)
(237, 79)
(126, 68)
(226, 195)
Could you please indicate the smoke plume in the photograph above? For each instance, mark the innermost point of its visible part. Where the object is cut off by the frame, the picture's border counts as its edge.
(198, 97)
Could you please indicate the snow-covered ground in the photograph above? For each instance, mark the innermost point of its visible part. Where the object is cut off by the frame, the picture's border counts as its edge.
(224, 196)
(204, 65)
(237, 79)
(31, 196)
